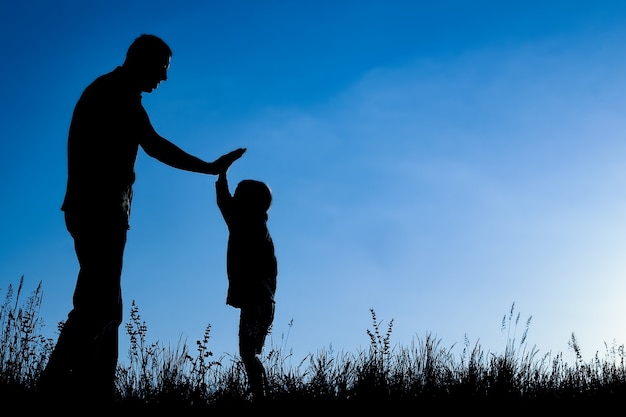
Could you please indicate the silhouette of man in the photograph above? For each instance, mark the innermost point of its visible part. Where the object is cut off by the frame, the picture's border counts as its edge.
(108, 126)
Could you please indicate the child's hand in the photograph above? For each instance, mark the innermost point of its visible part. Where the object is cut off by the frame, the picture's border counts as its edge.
(222, 163)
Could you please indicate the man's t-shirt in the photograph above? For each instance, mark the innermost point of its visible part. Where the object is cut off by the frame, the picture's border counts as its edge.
(107, 125)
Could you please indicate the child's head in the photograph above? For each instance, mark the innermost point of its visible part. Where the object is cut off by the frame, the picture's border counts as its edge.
(253, 194)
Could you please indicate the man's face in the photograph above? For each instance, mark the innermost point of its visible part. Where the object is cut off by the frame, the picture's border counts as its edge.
(154, 73)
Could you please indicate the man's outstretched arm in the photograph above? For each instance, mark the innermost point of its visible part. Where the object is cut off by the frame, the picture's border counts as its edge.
(170, 154)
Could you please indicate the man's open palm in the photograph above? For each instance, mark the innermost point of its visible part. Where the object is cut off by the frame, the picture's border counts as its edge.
(222, 163)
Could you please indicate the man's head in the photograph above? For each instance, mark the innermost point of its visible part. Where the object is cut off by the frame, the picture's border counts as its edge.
(147, 60)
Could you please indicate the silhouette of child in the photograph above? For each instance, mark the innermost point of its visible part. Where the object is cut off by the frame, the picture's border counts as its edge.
(251, 268)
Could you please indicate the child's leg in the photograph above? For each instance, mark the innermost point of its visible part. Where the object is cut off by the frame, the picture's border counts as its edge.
(254, 325)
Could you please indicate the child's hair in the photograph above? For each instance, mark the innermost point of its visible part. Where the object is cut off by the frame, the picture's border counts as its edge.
(254, 194)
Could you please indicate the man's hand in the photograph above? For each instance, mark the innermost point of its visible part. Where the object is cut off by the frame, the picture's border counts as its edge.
(222, 163)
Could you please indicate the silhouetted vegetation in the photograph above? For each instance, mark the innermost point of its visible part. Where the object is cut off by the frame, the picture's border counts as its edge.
(424, 374)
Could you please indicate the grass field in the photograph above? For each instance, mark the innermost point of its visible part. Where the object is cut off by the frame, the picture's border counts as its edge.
(414, 379)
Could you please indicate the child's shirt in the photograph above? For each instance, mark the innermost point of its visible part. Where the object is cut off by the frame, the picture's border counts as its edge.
(250, 259)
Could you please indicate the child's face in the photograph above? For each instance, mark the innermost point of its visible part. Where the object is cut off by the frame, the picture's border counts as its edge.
(241, 197)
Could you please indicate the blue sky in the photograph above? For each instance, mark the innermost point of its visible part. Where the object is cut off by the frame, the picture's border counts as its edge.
(433, 161)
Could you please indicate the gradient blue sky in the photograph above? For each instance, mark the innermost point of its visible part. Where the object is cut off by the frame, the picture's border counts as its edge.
(434, 161)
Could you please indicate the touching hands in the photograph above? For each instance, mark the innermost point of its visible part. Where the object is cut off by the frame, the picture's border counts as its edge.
(222, 163)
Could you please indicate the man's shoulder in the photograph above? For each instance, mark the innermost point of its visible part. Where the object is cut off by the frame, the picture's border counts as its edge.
(113, 81)
(111, 87)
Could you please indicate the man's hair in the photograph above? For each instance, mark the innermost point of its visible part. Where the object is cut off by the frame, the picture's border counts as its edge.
(147, 48)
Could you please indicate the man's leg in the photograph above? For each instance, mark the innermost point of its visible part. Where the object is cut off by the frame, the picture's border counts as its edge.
(83, 362)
